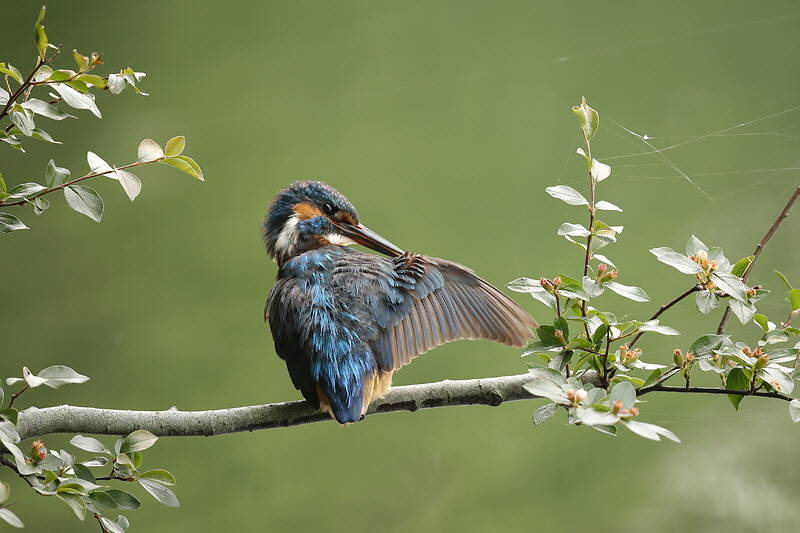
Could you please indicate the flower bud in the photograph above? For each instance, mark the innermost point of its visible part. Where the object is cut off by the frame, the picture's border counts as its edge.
(677, 357)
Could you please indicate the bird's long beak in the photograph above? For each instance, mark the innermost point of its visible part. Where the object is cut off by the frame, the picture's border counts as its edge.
(366, 237)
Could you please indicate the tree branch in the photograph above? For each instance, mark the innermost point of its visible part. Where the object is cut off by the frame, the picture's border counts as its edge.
(784, 214)
(35, 422)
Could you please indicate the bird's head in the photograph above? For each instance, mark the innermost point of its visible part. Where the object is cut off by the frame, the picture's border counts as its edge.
(310, 214)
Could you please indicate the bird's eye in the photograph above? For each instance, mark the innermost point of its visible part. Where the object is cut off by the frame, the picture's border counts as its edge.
(328, 209)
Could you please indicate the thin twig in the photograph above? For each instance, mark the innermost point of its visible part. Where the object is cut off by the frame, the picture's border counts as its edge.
(664, 307)
(714, 390)
(784, 214)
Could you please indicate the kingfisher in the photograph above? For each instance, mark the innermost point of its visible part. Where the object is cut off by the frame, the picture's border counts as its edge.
(344, 320)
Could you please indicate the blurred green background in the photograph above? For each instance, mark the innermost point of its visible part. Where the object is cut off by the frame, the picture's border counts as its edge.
(442, 122)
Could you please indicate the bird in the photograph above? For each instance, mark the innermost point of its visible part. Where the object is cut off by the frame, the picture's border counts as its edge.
(344, 320)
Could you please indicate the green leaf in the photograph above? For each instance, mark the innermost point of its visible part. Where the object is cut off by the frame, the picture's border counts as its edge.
(775, 377)
(122, 522)
(23, 119)
(42, 135)
(59, 375)
(706, 301)
(160, 492)
(175, 146)
(653, 378)
(25, 190)
(694, 245)
(785, 281)
(632, 293)
(9, 413)
(588, 117)
(794, 299)
(737, 380)
(81, 60)
(655, 327)
(731, 285)
(744, 311)
(9, 223)
(625, 393)
(83, 472)
(573, 290)
(525, 285)
(11, 71)
(567, 194)
(44, 109)
(111, 527)
(97, 164)
(137, 441)
(592, 288)
(741, 265)
(542, 414)
(794, 410)
(599, 172)
(124, 500)
(10, 517)
(650, 431)
(607, 206)
(5, 490)
(102, 500)
(706, 344)
(75, 502)
(130, 183)
(8, 432)
(149, 150)
(575, 230)
(84, 200)
(89, 444)
(186, 164)
(677, 261)
(40, 36)
(159, 476)
(91, 79)
(76, 99)
(55, 176)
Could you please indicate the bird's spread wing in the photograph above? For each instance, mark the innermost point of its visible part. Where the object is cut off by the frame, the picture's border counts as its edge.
(447, 302)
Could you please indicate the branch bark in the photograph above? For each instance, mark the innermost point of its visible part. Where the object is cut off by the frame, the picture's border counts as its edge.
(35, 422)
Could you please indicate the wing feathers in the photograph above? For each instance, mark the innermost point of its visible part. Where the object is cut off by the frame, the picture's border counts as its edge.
(449, 302)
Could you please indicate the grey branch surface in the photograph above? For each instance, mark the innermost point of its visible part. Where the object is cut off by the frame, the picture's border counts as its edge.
(35, 422)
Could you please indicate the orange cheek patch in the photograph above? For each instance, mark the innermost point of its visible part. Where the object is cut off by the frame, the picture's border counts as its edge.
(347, 218)
(305, 211)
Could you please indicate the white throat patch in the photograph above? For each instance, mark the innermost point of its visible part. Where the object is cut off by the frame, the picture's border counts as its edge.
(335, 238)
(287, 239)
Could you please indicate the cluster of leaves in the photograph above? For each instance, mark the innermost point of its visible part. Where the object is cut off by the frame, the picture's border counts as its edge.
(591, 365)
(57, 473)
(73, 88)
